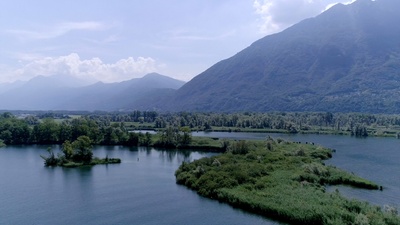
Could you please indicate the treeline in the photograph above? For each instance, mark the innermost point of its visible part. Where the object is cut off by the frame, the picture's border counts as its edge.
(99, 129)
(351, 123)
(134, 116)
(111, 128)
(49, 131)
(357, 124)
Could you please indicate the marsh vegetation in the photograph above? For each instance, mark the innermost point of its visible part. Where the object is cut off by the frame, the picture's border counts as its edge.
(282, 180)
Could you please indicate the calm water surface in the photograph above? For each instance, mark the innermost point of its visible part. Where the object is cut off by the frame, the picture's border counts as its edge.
(142, 189)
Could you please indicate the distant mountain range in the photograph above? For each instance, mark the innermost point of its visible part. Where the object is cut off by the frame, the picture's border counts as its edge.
(68, 93)
(345, 59)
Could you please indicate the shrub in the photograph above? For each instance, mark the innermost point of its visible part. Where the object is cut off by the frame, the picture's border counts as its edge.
(240, 147)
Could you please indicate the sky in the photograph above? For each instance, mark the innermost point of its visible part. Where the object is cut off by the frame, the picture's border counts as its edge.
(112, 41)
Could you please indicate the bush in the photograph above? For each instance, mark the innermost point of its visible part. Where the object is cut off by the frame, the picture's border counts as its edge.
(240, 147)
(51, 160)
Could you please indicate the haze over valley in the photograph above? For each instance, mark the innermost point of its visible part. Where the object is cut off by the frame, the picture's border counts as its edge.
(69, 93)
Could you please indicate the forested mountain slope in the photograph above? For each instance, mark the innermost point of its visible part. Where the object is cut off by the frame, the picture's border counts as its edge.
(345, 59)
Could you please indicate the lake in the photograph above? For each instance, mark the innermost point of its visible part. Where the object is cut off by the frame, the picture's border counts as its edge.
(142, 189)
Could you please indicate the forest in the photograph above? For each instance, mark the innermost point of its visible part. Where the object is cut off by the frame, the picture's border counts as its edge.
(53, 129)
(113, 128)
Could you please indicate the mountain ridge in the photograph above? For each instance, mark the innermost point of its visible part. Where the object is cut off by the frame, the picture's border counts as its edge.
(49, 93)
(345, 59)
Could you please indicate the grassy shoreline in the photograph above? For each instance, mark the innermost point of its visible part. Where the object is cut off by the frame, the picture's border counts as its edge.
(281, 180)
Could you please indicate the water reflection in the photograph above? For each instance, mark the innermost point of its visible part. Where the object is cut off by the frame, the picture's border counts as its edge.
(147, 150)
(172, 155)
(51, 173)
(78, 180)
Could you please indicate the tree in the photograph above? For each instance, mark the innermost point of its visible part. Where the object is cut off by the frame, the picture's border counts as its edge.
(82, 149)
(110, 136)
(147, 139)
(13, 130)
(240, 147)
(186, 138)
(6, 136)
(51, 160)
(169, 137)
(68, 150)
(133, 139)
(65, 131)
(7, 115)
(46, 132)
(2, 143)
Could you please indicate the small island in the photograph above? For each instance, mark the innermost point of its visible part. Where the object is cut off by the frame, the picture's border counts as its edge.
(75, 154)
(284, 181)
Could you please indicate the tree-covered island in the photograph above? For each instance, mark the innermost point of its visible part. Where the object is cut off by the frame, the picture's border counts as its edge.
(283, 181)
(77, 153)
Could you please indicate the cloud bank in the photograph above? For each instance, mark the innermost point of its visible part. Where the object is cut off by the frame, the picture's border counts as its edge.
(90, 69)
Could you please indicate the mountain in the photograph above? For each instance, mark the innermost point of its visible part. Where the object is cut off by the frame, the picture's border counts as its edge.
(65, 93)
(127, 95)
(40, 92)
(4, 87)
(345, 59)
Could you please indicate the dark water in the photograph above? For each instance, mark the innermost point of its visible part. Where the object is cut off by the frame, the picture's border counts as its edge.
(142, 189)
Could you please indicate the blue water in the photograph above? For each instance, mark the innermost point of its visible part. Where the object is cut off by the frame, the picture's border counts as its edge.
(142, 189)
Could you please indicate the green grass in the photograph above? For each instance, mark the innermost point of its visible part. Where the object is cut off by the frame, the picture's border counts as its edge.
(138, 126)
(197, 143)
(205, 142)
(284, 181)
(95, 161)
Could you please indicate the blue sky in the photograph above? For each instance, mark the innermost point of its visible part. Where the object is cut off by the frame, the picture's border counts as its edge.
(119, 40)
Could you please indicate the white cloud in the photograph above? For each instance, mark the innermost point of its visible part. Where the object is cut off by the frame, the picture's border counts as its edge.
(89, 69)
(57, 30)
(276, 15)
(344, 2)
